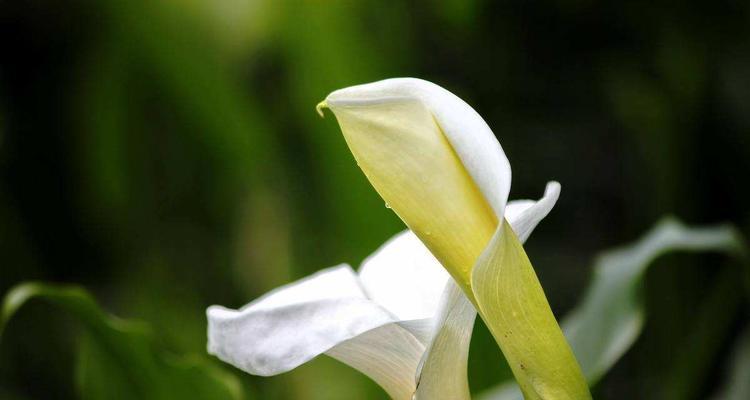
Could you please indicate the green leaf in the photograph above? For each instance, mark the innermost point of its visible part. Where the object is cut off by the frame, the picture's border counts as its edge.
(515, 309)
(737, 386)
(608, 320)
(119, 358)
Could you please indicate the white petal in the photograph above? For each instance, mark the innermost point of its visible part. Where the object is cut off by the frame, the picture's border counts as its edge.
(514, 208)
(524, 215)
(471, 137)
(389, 355)
(404, 277)
(443, 375)
(294, 323)
(422, 329)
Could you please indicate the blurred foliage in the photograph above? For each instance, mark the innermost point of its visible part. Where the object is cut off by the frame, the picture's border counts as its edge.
(166, 155)
(119, 358)
(737, 385)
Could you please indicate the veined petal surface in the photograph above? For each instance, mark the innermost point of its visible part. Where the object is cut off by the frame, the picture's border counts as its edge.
(443, 373)
(389, 355)
(512, 303)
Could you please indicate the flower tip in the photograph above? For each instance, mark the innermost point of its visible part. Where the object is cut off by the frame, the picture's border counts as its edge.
(319, 108)
(552, 187)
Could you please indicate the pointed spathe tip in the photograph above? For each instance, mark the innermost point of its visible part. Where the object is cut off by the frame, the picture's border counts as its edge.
(319, 108)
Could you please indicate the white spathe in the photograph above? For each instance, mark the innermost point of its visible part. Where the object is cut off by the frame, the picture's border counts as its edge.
(468, 134)
(399, 319)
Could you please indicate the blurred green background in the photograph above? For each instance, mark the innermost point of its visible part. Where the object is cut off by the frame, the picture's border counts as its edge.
(167, 156)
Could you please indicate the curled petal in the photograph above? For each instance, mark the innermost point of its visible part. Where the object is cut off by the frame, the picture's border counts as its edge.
(525, 215)
(469, 135)
(294, 323)
(389, 355)
(433, 159)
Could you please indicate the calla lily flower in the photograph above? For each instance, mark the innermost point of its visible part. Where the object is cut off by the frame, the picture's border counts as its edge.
(399, 319)
(438, 165)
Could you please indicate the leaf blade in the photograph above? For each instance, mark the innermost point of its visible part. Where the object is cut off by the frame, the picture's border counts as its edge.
(120, 356)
